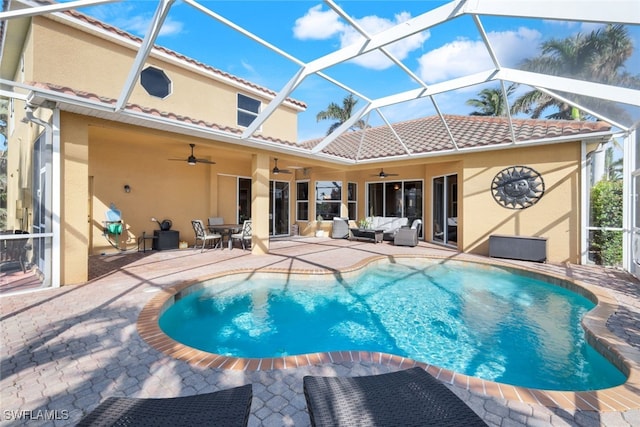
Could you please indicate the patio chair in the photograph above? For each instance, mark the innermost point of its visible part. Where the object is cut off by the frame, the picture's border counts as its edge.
(215, 220)
(408, 236)
(244, 235)
(230, 407)
(14, 252)
(204, 235)
(405, 398)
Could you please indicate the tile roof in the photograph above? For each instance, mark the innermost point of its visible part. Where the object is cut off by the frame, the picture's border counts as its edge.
(87, 96)
(429, 134)
(419, 136)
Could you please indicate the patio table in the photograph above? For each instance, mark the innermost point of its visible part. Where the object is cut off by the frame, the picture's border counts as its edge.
(226, 230)
(371, 234)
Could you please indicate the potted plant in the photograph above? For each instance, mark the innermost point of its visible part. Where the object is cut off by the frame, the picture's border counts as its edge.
(363, 223)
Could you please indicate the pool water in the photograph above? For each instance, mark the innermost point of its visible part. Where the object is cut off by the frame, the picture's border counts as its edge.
(481, 321)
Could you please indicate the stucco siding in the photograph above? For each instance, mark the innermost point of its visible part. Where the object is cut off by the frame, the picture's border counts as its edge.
(555, 216)
(75, 59)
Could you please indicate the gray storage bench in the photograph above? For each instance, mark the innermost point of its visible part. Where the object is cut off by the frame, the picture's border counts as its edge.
(524, 248)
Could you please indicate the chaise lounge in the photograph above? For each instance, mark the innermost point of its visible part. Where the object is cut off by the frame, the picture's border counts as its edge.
(405, 398)
(229, 408)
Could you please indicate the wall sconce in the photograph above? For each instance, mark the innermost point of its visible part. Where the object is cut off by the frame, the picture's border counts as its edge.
(127, 188)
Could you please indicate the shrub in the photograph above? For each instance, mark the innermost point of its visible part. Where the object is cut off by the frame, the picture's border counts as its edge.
(606, 211)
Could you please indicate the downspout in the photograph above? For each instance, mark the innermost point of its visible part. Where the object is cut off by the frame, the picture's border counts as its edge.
(52, 192)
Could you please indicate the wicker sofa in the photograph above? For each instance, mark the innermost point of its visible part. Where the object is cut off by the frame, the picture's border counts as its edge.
(390, 225)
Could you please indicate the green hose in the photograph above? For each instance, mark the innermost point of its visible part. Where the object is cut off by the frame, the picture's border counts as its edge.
(114, 228)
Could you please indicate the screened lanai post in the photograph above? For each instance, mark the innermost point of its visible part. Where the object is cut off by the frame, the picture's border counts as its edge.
(260, 203)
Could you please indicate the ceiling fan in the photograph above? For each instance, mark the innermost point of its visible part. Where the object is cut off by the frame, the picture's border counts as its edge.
(383, 174)
(192, 160)
(277, 170)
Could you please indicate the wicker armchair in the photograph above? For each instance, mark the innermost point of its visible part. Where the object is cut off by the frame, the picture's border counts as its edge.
(340, 229)
(408, 236)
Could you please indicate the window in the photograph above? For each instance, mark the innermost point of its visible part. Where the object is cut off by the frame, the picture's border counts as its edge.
(155, 82)
(352, 200)
(395, 199)
(302, 201)
(328, 199)
(248, 109)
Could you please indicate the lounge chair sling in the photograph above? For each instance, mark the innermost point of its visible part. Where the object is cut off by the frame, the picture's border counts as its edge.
(405, 398)
(229, 407)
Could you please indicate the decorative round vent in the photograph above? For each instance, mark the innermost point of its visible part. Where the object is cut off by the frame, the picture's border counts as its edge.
(517, 187)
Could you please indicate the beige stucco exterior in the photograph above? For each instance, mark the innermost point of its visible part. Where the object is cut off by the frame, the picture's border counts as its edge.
(556, 216)
(99, 157)
(85, 61)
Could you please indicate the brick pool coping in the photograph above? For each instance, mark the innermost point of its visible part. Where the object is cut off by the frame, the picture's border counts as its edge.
(620, 398)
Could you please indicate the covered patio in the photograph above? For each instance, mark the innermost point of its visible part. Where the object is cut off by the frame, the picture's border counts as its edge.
(121, 131)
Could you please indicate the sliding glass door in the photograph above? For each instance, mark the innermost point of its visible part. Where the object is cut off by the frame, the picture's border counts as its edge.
(279, 208)
(395, 199)
(445, 209)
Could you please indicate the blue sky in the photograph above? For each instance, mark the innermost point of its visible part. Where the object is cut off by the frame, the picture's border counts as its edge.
(310, 29)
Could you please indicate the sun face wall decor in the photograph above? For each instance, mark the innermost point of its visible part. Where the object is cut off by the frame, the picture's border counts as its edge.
(517, 187)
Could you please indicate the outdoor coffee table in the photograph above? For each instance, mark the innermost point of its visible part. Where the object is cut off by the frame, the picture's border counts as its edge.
(371, 234)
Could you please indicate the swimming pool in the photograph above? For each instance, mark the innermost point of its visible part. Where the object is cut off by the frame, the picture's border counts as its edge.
(482, 321)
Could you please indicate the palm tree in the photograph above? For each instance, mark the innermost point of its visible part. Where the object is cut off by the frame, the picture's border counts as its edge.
(613, 168)
(491, 102)
(341, 114)
(598, 57)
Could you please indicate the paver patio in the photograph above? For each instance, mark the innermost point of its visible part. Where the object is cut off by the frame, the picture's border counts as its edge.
(65, 350)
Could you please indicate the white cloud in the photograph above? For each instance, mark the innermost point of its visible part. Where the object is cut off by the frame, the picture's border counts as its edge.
(131, 19)
(464, 56)
(321, 25)
(247, 66)
(317, 25)
(139, 25)
(583, 27)
(373, 25)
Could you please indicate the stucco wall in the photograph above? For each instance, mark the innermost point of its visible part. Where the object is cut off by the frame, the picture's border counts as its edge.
(556, 216)
(160, 188)
(100, 157)
(73, 58)
(74, 151)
